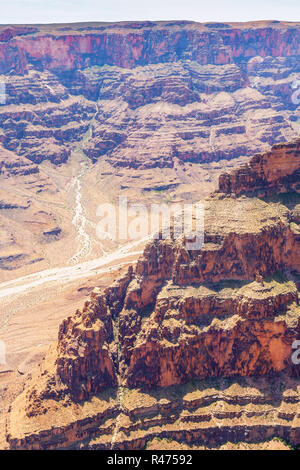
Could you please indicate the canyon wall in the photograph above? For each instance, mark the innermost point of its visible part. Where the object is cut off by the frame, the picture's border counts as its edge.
(73, 47)
(148, 93)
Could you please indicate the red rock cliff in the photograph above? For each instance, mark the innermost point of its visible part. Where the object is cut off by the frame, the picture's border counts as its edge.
(275, 171)
(130, 44)
(227, 310)
(181, 306)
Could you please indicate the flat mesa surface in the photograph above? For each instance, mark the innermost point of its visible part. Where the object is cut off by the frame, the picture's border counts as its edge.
(242, 215)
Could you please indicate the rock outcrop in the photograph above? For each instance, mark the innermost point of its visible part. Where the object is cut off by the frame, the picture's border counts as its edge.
(84, 362)
(273, 172)
(171, 347)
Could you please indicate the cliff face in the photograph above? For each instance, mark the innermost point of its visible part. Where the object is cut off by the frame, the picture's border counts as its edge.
(227, 311)
(152, 92)
(273, 172)
(71, 47)
(84, 361)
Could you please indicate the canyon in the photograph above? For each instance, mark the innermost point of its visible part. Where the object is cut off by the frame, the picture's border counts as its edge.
(153, 111)
(188, 345)
(121, 344)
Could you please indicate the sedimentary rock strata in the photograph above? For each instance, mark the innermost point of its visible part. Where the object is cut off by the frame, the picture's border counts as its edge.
(273, 172)
(190, 345)
(124, 108)
(151, 92)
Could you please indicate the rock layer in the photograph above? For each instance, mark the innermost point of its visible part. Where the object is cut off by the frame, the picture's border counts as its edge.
(152, 92)
(273, 172)
(116, 108)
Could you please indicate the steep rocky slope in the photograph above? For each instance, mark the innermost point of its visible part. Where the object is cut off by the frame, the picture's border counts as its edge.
(152, 111)
(190, 345)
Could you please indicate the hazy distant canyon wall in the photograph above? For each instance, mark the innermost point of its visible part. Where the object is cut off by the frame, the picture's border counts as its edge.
(72, 47)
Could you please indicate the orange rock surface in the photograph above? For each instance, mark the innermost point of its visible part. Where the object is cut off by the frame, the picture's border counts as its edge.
(191, 345)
